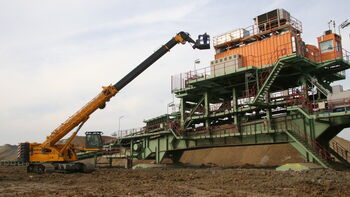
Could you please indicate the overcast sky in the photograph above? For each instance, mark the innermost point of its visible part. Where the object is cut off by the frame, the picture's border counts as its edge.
(56, 55)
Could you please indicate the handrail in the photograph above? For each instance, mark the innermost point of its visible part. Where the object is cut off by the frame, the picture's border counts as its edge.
(127, 132)
(301, 110)
(247, 127)
(227, 105)
(181, 81)
(316, 56)
(343, 152)
(346, 55)
(313, 143)
(254, 30)
(322, 151)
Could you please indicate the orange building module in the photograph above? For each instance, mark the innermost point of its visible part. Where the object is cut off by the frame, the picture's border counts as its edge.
(273, 35)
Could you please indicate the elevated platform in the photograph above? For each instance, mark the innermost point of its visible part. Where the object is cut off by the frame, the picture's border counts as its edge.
(294, 67)
(223, 110)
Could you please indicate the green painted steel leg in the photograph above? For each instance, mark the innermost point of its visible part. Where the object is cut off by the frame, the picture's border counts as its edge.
(305, 151)
(159, 154)
(206, 108)
(182, 110)
(234, 99)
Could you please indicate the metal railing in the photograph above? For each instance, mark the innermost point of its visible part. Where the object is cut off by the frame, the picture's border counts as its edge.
(298, 98)
(13, 163)
(128, 132)
(337, 105)
(312, 143)
(116, 152)
(322, 151)
(253, 30)
(221, 107)
(329, 106)
(293, 98)
(343, 152)
(173, 108)
(181, 81)
(346, 55)
(316, 56)
(247, 128)
(342, 73)
(142, 130)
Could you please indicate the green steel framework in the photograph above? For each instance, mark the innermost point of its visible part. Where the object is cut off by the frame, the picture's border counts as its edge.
(212, 113)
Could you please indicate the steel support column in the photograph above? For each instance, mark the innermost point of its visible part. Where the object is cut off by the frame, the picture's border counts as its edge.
(234, 99)
(206, 108)
(182, 111)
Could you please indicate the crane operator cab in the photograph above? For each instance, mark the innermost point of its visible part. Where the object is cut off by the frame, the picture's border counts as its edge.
(93, 139)
(203, 42)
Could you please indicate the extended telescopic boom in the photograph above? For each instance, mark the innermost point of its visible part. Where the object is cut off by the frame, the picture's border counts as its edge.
(108, 92)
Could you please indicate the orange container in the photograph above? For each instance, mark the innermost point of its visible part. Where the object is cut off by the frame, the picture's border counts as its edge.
(330, 46)
(313, 53)
(266, 51)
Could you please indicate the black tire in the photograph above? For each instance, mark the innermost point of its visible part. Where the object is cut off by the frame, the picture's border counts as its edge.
(86, 167)
(40, 169)
(30, 168)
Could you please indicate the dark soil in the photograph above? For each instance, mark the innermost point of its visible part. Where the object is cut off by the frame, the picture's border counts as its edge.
(215, 181)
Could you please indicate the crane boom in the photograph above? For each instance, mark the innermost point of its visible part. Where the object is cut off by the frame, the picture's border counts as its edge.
(80, 116)
(50, 151)
(181, 37)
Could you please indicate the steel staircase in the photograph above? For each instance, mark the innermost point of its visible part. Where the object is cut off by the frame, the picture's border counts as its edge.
(319, 85)
(338, 151)
(264, 89)
(188, 120)
(315, 150)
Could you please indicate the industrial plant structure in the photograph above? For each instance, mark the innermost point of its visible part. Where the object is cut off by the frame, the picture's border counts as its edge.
(264, 86)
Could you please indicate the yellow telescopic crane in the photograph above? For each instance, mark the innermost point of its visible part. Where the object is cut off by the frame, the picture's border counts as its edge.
(49, 155)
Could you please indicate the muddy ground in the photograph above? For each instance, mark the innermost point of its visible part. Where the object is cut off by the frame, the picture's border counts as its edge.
(170, 181)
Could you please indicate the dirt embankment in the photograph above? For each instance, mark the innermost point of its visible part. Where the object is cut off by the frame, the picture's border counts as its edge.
(8, 152)
(260, 155)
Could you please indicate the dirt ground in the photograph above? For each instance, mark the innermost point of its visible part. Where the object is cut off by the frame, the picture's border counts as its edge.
(170, 181)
